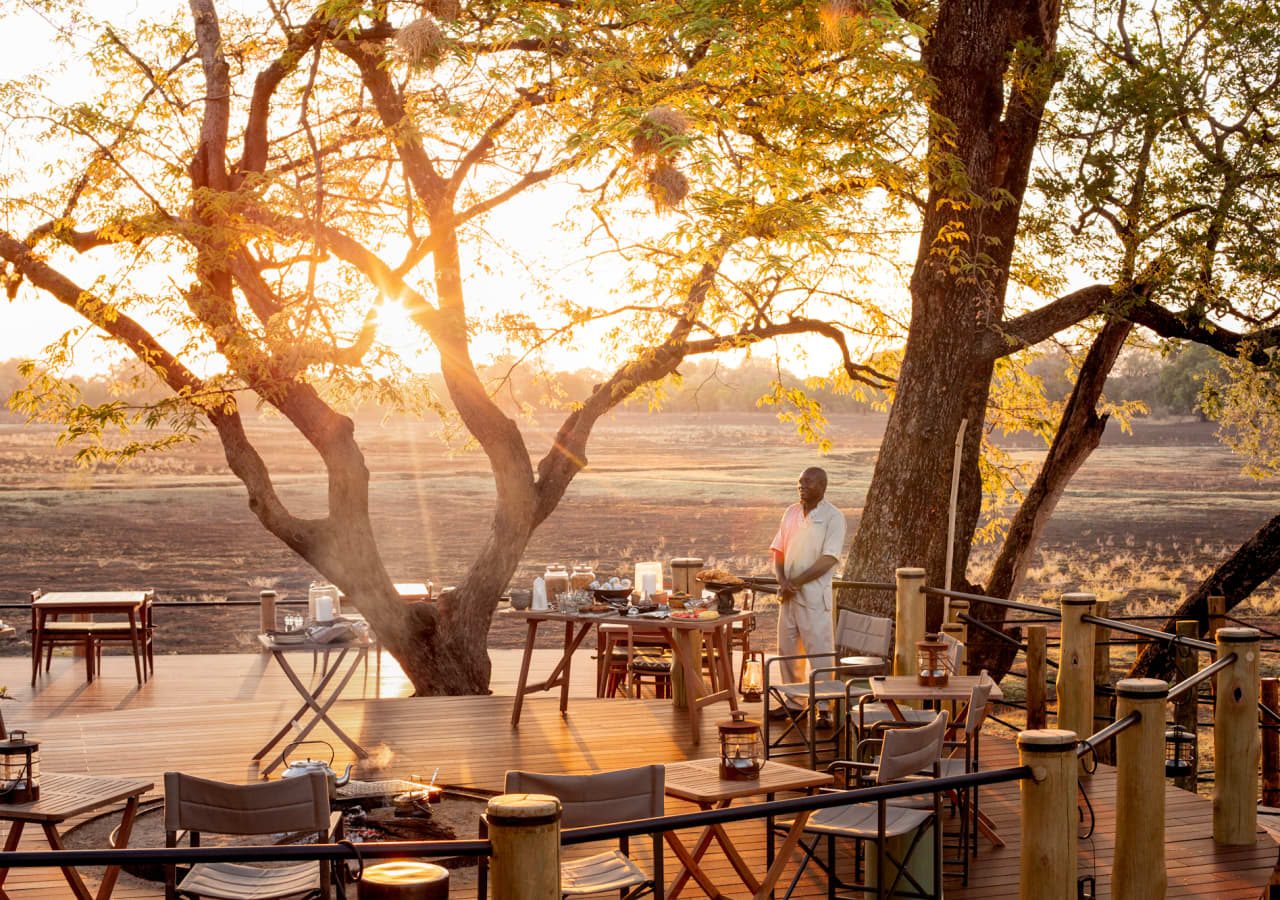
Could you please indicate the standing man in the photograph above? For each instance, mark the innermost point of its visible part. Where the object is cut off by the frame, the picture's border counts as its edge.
(806, 549)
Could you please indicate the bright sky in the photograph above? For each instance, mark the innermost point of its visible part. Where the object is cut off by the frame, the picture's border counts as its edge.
(531, 222)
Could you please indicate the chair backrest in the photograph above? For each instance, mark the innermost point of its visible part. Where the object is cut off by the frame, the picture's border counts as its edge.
(910, 750)
(955, 652)
(598, 799)
(978, 704)
(863, 634)
(196, 804)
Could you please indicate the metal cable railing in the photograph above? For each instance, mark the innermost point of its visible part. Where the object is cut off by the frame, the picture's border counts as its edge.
(436, 849)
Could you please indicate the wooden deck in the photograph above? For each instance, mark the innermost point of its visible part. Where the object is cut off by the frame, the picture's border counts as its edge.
(207, 714)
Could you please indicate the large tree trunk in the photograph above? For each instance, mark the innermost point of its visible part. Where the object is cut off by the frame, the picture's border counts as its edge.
(980, 151)
(1079, 432)
(1254, 562)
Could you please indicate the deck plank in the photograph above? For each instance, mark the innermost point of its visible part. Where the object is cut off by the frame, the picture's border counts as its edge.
(207, 714)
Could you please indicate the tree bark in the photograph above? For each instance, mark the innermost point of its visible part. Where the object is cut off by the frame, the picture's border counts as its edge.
(1254, 562)
(980, 150)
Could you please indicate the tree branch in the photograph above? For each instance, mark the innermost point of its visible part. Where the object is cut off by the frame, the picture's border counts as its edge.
(1041, 324)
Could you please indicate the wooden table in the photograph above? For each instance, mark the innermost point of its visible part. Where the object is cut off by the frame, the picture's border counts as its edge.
(316, 702)
(889, 689)
(684, 635)
(699, 781)
(134, 605)
(63, 797)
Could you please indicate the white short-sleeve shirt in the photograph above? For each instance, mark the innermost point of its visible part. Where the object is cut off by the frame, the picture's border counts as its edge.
(803, 540)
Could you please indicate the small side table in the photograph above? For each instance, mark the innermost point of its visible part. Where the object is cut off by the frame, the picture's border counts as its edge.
(63, 797)
(699, 781)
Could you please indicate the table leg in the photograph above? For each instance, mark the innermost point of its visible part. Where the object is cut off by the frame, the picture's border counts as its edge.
(37, 642)
(570, 645)
(783, 856)
(122, 840)
(723, 643)
(689, 861)
(78, 886)
(321, 713)
(689, 658)
(133, 639)
(522, 685)
(10, 844)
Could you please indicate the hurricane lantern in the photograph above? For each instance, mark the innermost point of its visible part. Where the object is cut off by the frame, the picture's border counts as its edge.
(1179, 752)
(19, 769)
(741, 748)
(933, 659)
(751, 684)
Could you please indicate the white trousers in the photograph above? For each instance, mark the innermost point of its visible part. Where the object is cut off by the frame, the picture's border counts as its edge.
(804, 629)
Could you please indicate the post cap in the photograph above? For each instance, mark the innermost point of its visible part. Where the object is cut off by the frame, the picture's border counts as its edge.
(1238, 635)
(523, 809)
(1079, 599)
(403, 872)
(909, 572)
(1138, 688)
(1047, 740)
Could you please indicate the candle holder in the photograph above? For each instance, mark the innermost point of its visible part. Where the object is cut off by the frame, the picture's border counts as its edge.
(932, 661)
(19, 769)
(741, 748)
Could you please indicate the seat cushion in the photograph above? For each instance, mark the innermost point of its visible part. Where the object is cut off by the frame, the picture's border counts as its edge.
(608, 871)
(645, 663)
(234, 881)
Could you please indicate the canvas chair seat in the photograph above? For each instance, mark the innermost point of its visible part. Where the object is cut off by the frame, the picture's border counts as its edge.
(860, 820)
(611, 870)
(236, 881)
(827, 689)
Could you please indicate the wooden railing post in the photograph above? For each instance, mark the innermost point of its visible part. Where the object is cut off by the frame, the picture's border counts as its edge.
(1236, 739)
(1075, 666)
(525, 832)
(1270, 744)
(1104, 703)
(1138, 871)
(1037, 676)
(909, 619)
(1186, 710)
(1217, 614)
(1047, 867)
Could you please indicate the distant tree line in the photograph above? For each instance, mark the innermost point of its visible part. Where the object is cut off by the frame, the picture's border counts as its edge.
(1169, 384)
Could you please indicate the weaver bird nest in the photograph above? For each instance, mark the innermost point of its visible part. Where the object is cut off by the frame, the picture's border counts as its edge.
(422, 43)
(656, 127)
(667, 186)
(443, 10)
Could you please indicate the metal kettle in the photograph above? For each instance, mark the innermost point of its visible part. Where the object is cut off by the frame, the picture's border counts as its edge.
(296, 767)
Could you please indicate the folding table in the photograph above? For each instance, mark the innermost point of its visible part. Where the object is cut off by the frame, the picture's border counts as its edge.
(316, 700)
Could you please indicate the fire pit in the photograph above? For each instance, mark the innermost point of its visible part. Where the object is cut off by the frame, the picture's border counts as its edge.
(393, 810)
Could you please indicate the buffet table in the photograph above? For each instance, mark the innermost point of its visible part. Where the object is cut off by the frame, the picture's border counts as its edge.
(686, 637)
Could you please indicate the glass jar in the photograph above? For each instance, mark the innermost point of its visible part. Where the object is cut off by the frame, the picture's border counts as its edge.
(557, 580)
(581, 577)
